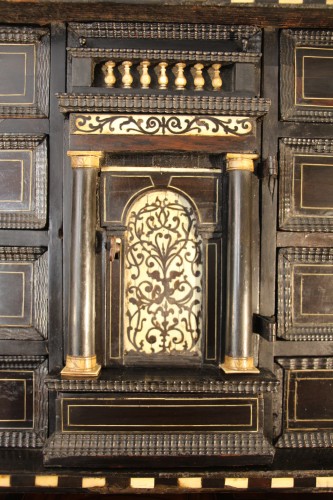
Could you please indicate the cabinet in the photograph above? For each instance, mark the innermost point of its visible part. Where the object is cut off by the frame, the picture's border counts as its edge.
(165, 260)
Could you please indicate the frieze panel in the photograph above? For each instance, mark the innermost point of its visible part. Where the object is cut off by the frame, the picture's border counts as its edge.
(160, 125)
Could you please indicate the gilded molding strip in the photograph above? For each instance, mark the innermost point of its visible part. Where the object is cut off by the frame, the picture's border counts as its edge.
(218, 126)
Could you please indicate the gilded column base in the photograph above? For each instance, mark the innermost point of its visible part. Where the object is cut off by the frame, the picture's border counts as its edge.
(238, 365)
(81, 367)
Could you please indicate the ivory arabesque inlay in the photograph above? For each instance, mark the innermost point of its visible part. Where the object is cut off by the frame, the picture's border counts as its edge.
(163, 276)
(161, 125)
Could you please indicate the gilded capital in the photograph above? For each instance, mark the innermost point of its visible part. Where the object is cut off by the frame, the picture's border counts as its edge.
(85, 159)
(240, 161)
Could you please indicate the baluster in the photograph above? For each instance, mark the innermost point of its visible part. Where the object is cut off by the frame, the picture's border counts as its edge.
(107, 69)
(216, 78)
(180, 80)
(127, 78)
(199, 80)
(162, 78)
(145, 77)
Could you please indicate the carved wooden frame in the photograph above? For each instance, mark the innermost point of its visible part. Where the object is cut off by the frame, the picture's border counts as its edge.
(36, 217)
(292, 219)
(38, 258)
(294, 438)
(39, 37)
(288, 258)
(290, 40)
(34, 437)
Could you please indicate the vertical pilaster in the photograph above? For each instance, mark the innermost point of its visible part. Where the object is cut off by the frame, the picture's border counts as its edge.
(239, 341)
(81, 357)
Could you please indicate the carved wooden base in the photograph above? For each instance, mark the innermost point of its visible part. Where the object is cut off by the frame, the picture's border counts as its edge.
(81, 367)
(155, 449)
(238, 365)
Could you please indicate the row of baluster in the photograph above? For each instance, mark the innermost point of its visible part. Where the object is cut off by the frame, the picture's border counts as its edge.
(178, 70)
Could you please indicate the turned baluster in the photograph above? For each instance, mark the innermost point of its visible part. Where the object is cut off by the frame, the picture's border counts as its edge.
(127, 78)
(162, 78)
(199, 80)
(145, 77)
(180, 80)
(107, 69)
(216, 78)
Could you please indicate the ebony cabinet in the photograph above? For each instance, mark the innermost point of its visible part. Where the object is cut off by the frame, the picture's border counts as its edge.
(166, 247)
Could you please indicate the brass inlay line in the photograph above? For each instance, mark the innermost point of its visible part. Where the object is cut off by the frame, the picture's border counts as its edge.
(301, 301)
(25, 399)
(296, 419)
(25, 74)
(302, 176)
(22, 172)
(251, 406)
(24, 54)
(215, 310)
(158, 169)
(303, 79)
(296, 66)
(23, 294)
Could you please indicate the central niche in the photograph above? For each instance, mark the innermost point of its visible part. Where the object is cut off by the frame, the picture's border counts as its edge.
(163, 279)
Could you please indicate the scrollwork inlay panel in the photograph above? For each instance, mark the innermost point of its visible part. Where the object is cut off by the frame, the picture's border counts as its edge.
(161, 125)
(163, 276)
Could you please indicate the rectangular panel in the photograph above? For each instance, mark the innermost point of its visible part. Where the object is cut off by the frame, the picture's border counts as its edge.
(23, 187)
(306, 70)
(306, 184)
(16, 281)
(23, 401)
(159, 414)
(16, 399)
(305, 309)
(17, 67)
(23, 293)
(24, 68)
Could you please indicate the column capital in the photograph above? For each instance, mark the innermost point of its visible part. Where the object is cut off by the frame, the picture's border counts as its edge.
(241, 161)
(85, 159)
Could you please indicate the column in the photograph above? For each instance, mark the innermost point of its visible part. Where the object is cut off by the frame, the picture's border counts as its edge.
(239, 341)
(81, 357)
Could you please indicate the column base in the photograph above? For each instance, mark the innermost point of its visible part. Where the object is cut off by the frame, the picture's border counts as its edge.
(81, 367)
(238, 365)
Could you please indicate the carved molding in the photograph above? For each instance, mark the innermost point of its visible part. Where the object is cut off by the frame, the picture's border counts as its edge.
(41, 63)
(94, 445)
(36, 216)
(175, 104)
(160, 125)
(19, 34)
(321, 439)
(165, 55)
(296, 370)
(37, 328)
(306, 363)
(247, 384)
(288, 328)
(35, 437)
(290, 40)
(292, 215)
(248, 36)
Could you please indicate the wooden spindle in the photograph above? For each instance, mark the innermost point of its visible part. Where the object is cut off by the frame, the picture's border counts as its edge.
(145, 78)
(127, 78)
(199, 80)
(107, 69)
(216, 78)
(162, 78)
(180, 80)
